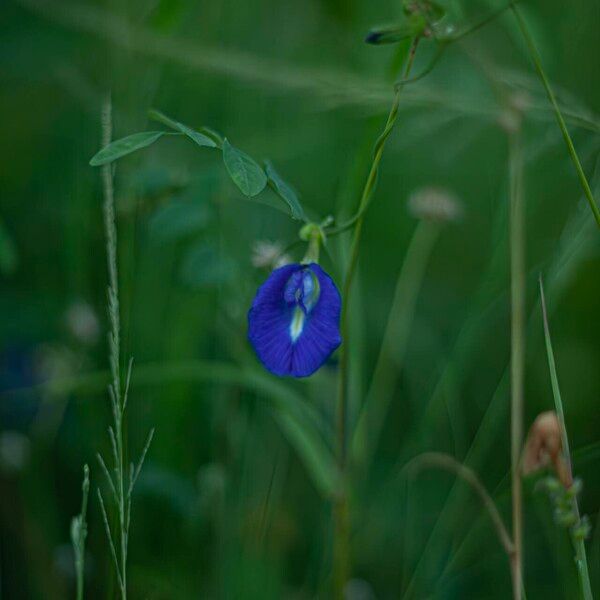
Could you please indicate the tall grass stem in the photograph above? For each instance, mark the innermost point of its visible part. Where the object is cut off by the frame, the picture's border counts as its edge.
(578, 541)
(537, 61)
(123, 478)
(341, 550)
(517, 353)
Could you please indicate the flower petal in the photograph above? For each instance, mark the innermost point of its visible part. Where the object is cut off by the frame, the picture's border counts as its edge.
(283, 344)
(321, 332)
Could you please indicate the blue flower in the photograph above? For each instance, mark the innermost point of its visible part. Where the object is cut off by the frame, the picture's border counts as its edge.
(294, 320)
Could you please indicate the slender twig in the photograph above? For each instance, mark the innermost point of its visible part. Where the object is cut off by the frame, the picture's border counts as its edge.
(445, 40)
(578, 541)
(447, 462)
(517, 287)
(341, 556)
(537, 61)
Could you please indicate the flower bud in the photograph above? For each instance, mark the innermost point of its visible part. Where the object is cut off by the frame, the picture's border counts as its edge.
(543, 448)
(413, 26)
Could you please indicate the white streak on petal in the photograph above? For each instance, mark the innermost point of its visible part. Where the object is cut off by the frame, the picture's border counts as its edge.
(297, 324)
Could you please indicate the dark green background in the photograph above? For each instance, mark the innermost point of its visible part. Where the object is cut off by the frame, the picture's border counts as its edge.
(224, 507)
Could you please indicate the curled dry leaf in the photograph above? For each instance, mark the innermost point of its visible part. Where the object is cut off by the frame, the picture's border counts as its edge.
(543, 448)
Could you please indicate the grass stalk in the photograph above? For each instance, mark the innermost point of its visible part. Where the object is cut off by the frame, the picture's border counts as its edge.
(116, 396)
(121, 483)
(517, 352)
(566, 258)
(341, 547)
(79, 535)
(578, 541)
(537, 61)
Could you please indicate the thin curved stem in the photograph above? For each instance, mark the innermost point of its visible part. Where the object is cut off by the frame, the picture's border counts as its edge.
(517, 354)
(482, 23)
(350, 273)
(441, 46)
(447, 462)
(443, 41)
(537, 61)
(341, 556)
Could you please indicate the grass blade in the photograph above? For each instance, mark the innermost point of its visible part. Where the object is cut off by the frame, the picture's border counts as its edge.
(578, 541)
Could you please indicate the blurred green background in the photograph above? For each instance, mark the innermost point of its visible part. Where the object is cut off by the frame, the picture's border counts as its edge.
(226, 506)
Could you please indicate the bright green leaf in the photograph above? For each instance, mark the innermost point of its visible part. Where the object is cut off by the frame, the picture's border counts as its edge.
(244, 171)
(285, 192)
(195, 136)
(125, 146)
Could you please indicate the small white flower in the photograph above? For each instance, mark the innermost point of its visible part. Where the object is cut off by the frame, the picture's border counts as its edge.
(266, 254)
(435, 204)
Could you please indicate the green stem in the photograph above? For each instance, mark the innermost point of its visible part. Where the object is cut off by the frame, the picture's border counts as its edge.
(341, 557)
(578, 542)
(114, 341)
(517, 289)
(537, 61)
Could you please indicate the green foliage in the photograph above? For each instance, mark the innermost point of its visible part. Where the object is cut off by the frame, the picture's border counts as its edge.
(285, 191)
(243, 170)
(199, 138)
(125, 146)
(236, 495)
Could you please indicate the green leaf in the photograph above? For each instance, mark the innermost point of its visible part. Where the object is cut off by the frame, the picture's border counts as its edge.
(195, 136)
(285, 192)
(244, 171)
(125, 146)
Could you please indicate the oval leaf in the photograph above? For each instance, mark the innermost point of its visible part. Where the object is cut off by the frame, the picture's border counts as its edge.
(195, 136)
(243, 170)
(285, 191)
(125, 146)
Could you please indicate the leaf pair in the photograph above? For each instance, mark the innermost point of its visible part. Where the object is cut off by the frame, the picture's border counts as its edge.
(245, 172)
